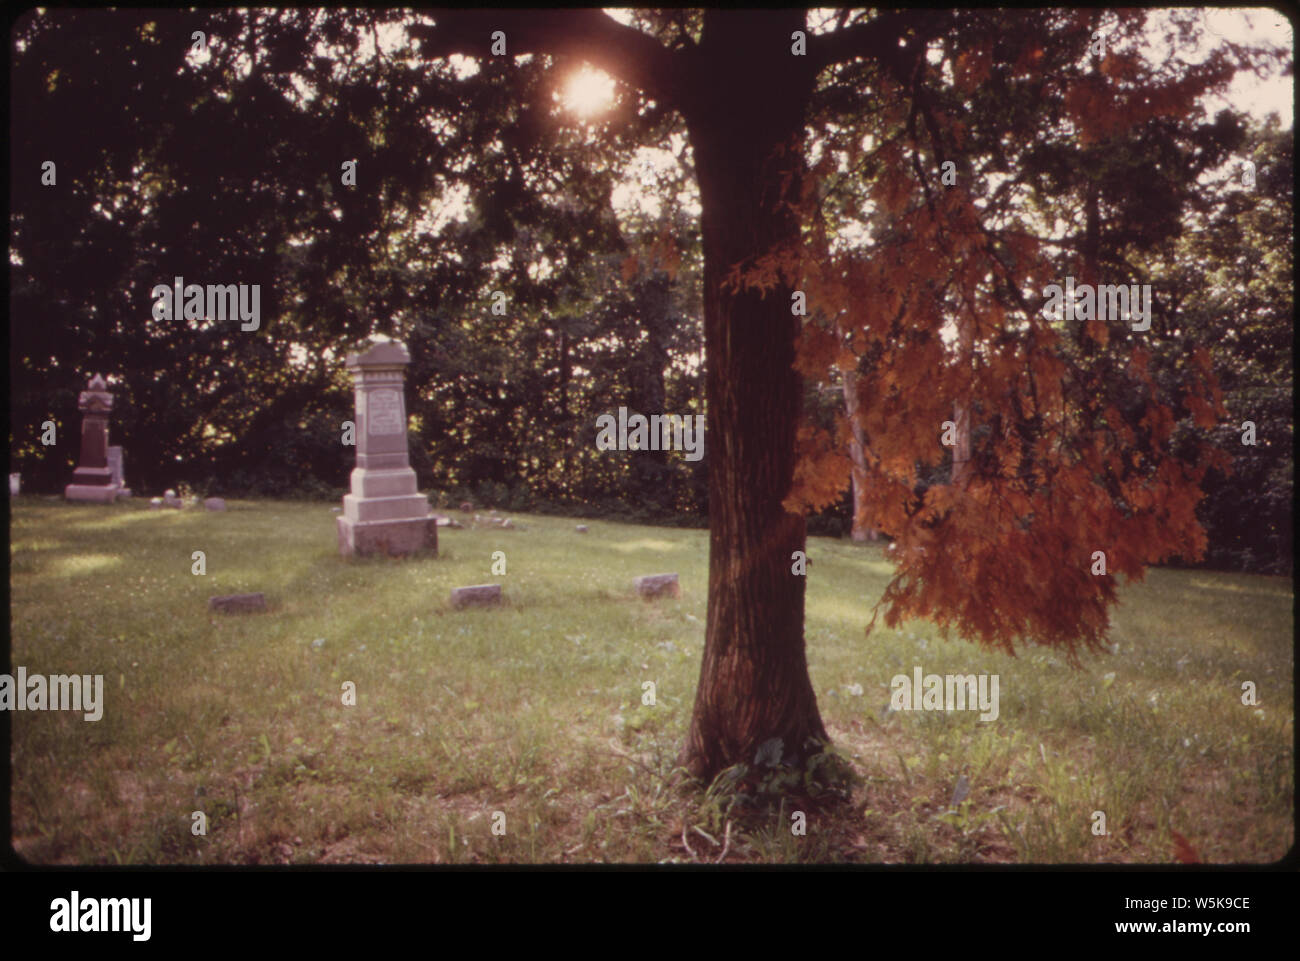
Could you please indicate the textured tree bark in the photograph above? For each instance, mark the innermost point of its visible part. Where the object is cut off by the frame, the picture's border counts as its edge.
(961, 411)
(862, 530)
(746, 130)
(566, 463)
(648, 389)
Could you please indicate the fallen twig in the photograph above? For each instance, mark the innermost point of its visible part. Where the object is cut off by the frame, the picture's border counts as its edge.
(705, 834)
(726, 844)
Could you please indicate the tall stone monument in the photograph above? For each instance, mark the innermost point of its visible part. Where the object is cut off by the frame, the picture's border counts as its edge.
(385, 513)
(93, 478)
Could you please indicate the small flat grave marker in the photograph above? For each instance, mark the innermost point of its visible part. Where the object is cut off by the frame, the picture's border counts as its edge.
(655, 585)
(478, 595)
(236, 603)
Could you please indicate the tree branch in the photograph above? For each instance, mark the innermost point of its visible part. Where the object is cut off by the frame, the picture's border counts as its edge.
(625, 53)
(878, 38)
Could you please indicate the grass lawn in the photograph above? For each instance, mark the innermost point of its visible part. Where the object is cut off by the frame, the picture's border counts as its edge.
(534, 709)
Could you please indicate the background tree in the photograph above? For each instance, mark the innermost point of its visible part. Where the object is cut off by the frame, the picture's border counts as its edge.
(1230, 272)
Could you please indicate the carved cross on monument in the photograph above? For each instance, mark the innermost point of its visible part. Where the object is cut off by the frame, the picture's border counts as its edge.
(385, 513)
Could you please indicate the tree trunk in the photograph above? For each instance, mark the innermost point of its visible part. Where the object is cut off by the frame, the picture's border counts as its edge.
(961, 409)
(651, 477)
(747, 132)
(863, 530)
(566, 477)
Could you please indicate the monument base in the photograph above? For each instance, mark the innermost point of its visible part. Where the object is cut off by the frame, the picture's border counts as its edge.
(91, 493)
(394, 538)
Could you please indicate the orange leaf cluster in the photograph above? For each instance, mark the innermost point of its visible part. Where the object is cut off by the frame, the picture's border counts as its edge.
(821, 473)
(1124, 94)
(1067, 467)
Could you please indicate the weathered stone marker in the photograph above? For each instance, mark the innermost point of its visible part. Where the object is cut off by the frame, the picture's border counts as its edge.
(93, 479)
(480, 595)
(15, 484)
(116, 469)
(215, 504)
(581, 528)
(115, 464)
(385, 513)
(654, 585)
(236, 603)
